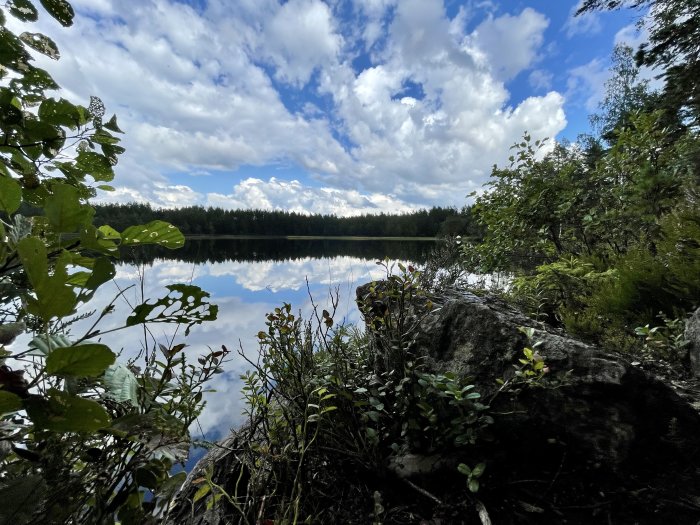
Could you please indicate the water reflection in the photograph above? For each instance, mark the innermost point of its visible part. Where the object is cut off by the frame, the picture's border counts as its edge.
(282, 249)
(245, 289)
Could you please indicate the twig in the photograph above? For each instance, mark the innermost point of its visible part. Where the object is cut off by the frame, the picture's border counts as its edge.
(483, 513)
(423, 491)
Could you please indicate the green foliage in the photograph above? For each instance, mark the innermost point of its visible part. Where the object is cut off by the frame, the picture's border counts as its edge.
(206, 221)
(666, 340)
(472, 474)
(672, 47)
(619, 236)
(321, 394)
(86, 439)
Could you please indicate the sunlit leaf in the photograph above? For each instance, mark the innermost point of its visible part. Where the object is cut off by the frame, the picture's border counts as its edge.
(60, 10)
(155, 232)
(24, 10)
(65, 212)
(121, 384)
(88, 360)
(32, 254)
(41, 43)
(59, 112)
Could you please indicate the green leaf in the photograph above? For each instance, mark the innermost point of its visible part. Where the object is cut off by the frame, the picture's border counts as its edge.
(112, 125)
(24, 10)
(103, 270)
(9, 402)
(59, 113)
(185, 304)
(41, 43)
(464, 469)
(479, 470)
(10, 195)
(33, 82)
(100, 240)
(201, 492)
(13, 54)
(96, 165)
(155, 232)
(60, 10)
(65, 212)
(21, 498)
(121, 384)
(474, 485)
(54, 297)
(88, 360)
(32, 254)
(62, 412)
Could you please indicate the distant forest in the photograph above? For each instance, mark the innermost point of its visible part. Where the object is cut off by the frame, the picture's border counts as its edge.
(193, 220)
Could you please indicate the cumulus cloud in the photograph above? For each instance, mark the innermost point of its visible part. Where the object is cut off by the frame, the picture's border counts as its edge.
(265, 82)
(511, 42)
(299, 38)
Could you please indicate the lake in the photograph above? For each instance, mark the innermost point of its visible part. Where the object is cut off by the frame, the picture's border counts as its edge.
(246, 278)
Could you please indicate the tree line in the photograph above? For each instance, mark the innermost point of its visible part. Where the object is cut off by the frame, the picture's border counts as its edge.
(197, 220)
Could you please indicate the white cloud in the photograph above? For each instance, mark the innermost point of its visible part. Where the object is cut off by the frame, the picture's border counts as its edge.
(276, 194)
(511, 42)
(422, 125)
(587, 83)
(299, 38)
(584, 24)
(540, 80)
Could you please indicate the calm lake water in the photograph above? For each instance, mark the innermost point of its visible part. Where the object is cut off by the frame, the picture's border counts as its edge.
(246, 279)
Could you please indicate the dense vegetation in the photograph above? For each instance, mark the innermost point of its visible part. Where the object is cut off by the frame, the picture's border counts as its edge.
(217, 221)
(84, 437)
(615, 218)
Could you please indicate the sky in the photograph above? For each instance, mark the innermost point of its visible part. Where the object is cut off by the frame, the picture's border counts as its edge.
(336, 106)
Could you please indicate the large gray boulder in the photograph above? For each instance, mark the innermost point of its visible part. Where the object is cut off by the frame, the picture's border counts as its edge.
(596, 440)
(595, 423)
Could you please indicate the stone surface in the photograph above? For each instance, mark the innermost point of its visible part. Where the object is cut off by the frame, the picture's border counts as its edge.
(692, 335)
(597, 440)
(592, 399)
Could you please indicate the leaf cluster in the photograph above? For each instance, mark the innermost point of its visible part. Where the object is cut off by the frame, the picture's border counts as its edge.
(322, 395)
(84, 436)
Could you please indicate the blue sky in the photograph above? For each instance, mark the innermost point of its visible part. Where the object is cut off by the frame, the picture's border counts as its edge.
(342, 106)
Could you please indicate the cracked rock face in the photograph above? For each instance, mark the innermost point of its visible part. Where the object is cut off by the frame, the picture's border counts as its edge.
(608, 410)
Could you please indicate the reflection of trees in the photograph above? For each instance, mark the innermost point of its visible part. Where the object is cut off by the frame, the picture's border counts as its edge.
(252, 250)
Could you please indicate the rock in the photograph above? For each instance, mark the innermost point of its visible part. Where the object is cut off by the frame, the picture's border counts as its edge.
(595, 440)
(692, 336)
(595, 416)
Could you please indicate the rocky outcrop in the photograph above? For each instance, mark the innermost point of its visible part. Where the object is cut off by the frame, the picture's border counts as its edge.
(595, 440)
